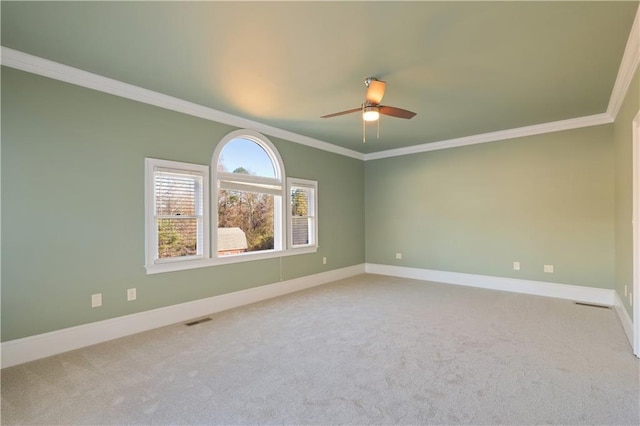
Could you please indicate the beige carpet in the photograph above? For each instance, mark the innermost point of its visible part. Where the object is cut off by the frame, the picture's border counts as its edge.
(366, 350)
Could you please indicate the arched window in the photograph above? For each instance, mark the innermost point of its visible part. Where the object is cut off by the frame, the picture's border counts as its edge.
(256, 211)
(248, 197)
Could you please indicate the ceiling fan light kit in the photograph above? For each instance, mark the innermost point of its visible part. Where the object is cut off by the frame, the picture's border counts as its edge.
(370, 113)
(371, 108)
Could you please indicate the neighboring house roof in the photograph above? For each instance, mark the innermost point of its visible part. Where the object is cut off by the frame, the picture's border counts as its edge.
(231, 239)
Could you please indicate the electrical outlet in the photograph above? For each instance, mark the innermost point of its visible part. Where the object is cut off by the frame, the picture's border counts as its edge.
(398, 255)
(324, 260)
(131, 294)
(516, 266)
(548, 269)
(630, 299)
(96, 300)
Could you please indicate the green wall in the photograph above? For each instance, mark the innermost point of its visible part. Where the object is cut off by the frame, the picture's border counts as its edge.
(623, 193)
(546, 199)
(73, 206)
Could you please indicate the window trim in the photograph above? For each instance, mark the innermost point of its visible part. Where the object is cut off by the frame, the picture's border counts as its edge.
(279, 224)
(302, 183)
(152, 263)
(282, 210)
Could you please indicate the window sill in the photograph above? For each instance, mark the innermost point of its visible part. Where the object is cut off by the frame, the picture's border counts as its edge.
(158, 268)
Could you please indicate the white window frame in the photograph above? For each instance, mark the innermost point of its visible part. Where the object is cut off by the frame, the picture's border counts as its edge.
(312, 246)
(274, 186)
(279, 186)
(153, 263)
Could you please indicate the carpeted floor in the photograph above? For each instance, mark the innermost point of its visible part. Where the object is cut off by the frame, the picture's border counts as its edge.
(365, 350)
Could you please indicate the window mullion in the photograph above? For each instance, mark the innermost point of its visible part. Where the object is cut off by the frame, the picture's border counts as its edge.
(247, 187)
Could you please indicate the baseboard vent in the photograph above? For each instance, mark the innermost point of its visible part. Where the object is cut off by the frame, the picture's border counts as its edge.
(593, 305)
(198, 321)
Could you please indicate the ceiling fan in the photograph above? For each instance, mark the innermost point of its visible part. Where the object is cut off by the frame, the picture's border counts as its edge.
(371, 108)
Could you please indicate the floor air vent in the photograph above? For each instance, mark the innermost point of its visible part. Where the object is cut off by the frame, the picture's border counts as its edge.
(198, 321)
(593, 305)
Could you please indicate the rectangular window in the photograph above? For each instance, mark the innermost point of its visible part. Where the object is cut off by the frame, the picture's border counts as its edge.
(303, 224)
(177, 211)
(249, 220)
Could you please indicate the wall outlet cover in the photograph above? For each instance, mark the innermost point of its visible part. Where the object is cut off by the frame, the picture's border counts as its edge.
(131, 294)
(96, 300)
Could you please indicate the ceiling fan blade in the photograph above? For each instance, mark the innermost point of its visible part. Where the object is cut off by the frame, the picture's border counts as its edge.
(335, 114)
(396, 112)
(375, 91)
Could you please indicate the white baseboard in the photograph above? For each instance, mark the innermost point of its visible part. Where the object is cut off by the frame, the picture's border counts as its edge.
(539, 288)
(624, 317)
(30, 348)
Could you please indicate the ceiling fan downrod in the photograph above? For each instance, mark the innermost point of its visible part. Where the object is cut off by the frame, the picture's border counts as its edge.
(371, 109)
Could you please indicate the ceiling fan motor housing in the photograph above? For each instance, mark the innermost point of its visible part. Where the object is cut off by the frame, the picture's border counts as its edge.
(368, 80)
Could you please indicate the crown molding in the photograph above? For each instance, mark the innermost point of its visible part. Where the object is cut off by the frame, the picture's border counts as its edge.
(36, 65)
(628, 67)
(46, 68)
(538, 129)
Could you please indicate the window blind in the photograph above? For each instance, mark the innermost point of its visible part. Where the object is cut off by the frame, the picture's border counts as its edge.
(179, 213)
(302, 215)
